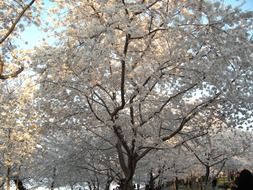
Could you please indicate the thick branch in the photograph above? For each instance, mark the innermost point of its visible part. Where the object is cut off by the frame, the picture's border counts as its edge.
(201, 161)
(219, 161)
(14, 74)
(189, 139)
(189, 116)
(123, 74)
(221, 168)
(103, 103)
(149, 33)
(121, 157)
(166, 102)
(93, 111)
(120, 136)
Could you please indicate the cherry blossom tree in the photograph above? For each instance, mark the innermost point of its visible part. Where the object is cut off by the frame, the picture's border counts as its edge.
(137, 73)
(215, 149)
(19, 133)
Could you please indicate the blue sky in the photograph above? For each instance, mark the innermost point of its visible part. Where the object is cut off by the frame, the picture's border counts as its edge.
(33, 36)
(247, 6)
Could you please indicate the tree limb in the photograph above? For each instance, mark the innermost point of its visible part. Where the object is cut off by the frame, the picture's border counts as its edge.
(189, 116)
(16, 22)
(12, 75)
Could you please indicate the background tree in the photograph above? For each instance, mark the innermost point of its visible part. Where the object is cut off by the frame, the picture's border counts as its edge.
(19, 133)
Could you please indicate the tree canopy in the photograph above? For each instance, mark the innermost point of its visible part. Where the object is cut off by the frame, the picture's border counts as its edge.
(126, 83)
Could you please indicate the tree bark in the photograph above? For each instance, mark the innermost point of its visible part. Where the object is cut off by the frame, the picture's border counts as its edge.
(108, 182)
(206, 176)
(89, 185)
(53, 179)
(19, 184)
(151, 181)
(176, 184)
(8, 178)
(128, 160)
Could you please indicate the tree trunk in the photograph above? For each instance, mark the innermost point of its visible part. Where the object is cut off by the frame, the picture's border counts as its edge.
(8, 174)
(53, 179)
(127, 184)
(107, 186)
(71, 186)
(128, 161)
(176, 183)
(108, 182)
(97, 183)
(8, 187)
(206, 176)
(151, 181)
(19, 184)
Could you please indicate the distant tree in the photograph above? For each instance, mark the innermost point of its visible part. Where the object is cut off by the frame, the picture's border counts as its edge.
(19, 133)
(216, 148)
